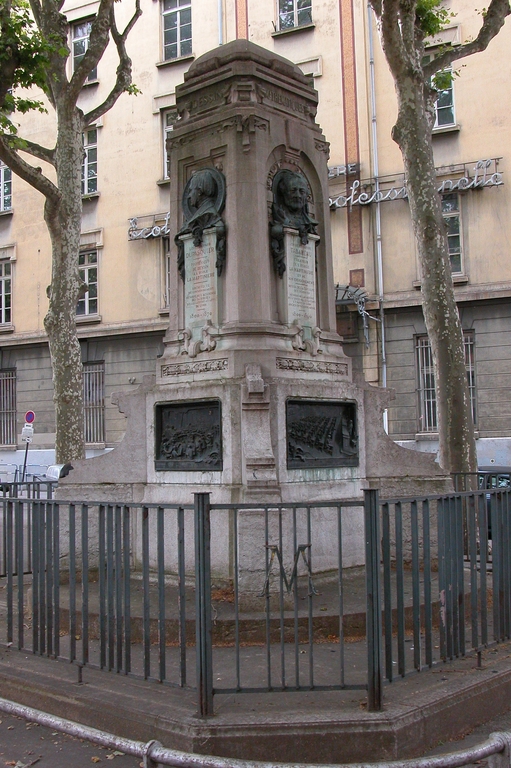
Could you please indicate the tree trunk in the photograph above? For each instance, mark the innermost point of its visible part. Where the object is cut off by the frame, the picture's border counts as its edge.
(64, 225)
(412, 132)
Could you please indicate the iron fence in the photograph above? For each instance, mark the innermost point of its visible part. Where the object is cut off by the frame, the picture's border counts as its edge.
(225, 598)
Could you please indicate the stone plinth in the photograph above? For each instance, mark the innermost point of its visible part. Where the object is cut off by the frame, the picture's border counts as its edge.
(252, 324)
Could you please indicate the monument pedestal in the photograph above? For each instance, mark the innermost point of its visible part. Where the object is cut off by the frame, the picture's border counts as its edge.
(253, 399)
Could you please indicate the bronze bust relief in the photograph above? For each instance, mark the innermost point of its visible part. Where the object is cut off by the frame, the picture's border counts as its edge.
(289, 209)
(203, 202)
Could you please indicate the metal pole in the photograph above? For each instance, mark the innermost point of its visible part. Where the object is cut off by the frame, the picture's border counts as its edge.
(373, 610)
(203, 604)
(25, 462)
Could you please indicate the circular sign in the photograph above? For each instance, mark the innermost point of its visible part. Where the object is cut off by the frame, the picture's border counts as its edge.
(29, 417)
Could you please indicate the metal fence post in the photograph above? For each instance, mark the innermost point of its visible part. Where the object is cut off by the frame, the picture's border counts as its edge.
(373, 609)
(203, 644)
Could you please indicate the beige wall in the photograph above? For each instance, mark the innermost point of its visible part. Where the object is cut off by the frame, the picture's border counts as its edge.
(130, 166)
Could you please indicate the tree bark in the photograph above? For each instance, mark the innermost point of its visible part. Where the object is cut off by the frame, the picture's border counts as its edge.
(63, 220)
(412, 132)
(46, 66)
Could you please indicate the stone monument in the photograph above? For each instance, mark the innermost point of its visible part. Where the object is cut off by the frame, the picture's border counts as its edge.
(254, 398)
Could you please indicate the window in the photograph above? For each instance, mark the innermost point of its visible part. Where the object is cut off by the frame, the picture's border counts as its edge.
(81, 35)
(169, 118)
(94, 402)
(5, 292)
(5, 188)
(8, 407)
(444, 106)
(90, 162)
(88, 270)
(177, 29)
(294, 13)
(427, 396)
(167, 261)
(452, 218)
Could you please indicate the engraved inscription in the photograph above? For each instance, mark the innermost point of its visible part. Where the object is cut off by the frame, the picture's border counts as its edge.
(203, 366)
(200, 282)
(321, 434)
(286, 102)
(207, 100)
(301, 280)
(188, 436)
(312, 366)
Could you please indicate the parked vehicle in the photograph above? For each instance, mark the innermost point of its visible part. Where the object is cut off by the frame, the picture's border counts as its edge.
(493, 479)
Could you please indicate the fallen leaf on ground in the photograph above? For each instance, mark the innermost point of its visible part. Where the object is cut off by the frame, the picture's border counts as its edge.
(95, 759)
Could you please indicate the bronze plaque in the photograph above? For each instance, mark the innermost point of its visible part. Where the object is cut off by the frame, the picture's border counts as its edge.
(321, 434)
(189, 436)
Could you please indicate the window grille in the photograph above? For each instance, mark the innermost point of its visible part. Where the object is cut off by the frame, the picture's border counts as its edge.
(5, 292)
(94, 402)
(428, 421)
(81, 36)
(294, 13)
(5, 188)
(8, 407)
(90, 162)
(88, 271)
(177, 28)
(452, 217)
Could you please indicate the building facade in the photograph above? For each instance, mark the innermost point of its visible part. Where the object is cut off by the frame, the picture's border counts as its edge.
(127, 245)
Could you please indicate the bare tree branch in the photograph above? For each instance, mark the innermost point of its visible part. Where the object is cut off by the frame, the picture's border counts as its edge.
(391, 38)
(52, 23)
(123, 79)
(98, 40)
(27, 172)
(36, 150)
(494, 19)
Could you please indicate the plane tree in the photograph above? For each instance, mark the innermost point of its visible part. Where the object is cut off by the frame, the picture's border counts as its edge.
(404, 27)
(34, 54)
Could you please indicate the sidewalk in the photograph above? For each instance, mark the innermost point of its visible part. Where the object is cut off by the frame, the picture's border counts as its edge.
(419, 712)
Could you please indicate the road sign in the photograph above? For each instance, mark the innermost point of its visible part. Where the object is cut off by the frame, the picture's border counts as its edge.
(27, 433)
(30, 417)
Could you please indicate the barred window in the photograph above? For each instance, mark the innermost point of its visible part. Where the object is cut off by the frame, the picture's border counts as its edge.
(90, 162)
(428, 421)
(88, 271)
(81, 35)
(177, 28)
(8, 407)
(5, 292)
(5, 187)
(294, 13)
(94, 402)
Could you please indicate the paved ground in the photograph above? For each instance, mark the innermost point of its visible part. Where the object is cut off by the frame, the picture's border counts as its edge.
(313, 726)
(23, 744)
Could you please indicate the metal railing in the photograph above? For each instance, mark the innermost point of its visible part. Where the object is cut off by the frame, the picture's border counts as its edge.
(497, 747)
(446, 577)
(225, 598)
